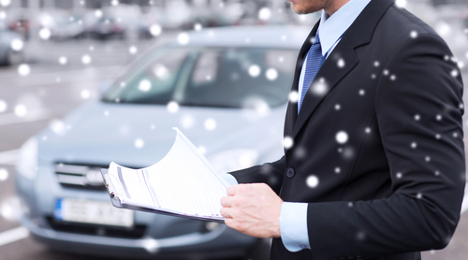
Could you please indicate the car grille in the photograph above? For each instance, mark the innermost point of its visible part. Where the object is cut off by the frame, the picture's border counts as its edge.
(80, 176)
(134, 232)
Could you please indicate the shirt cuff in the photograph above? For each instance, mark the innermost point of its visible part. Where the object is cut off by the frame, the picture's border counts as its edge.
(293, 226)
(229, 179)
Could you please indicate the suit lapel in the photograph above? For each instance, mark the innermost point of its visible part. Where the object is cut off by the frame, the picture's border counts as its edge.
(339, 63)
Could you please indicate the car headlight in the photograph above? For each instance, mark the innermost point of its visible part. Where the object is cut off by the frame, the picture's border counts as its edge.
(235, 159)
(27, 160)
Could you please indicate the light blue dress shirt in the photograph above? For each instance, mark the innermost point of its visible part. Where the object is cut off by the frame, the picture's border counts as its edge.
(293, 217)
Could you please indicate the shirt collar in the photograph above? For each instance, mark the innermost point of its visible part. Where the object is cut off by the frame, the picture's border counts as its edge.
(332, 27)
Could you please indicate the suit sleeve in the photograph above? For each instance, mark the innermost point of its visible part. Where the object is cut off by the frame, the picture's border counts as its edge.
(419, 113)
(269, 173)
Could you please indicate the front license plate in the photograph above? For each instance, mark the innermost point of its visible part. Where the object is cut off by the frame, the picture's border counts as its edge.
(92, 212)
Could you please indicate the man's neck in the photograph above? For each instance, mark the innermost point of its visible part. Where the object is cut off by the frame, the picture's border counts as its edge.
(334, 5)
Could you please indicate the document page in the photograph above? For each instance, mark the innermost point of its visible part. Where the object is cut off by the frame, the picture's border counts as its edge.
(183, 182)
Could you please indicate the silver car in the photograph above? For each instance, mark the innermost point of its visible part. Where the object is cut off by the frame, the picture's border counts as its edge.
(11, 46)
(225, 89)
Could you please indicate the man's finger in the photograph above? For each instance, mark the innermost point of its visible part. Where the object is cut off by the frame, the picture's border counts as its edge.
(226, 201)
(231, 191)
(226, 212)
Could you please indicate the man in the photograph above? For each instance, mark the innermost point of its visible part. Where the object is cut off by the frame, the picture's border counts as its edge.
(374, 159)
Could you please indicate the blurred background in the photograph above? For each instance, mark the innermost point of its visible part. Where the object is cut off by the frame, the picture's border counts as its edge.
(56, 55)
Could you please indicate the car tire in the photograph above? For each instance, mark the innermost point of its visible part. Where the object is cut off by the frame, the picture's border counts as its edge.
(261, 250)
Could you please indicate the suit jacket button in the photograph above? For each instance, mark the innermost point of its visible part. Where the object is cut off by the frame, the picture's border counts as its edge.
(290, 172)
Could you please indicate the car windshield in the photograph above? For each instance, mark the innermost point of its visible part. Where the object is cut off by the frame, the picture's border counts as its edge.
(213, 77)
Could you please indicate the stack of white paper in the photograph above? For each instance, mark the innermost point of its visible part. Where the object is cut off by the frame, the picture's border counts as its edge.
(183, 182)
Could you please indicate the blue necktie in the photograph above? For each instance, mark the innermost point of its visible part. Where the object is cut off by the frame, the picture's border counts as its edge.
(313, 64)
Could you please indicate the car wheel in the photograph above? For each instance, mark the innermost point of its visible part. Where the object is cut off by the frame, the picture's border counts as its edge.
(261, 251)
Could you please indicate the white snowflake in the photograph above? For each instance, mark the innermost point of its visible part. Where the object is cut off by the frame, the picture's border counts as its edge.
(85, 94)
(172, 107)
(17, 45)
(438, 117)
(414, 145)
(368, 130)
(57, 126)
(3, 174)
(98, 13)
(139, 143)
(337, 170)
(254, 70)
(341, 63)
(271, 74)
(44, 33)
(133, 49)
(115, 2)
(436, 173)
(419, 196)
(454, 73)
(376, 63)
(197, 27)
(461, 64)
(362, 92)
(455, 134)
(106, 113)
(202, 149)
(183, 38)
(427, 158)
(417, 117)
(20, 110)
(24, 69)
(437, 136)
(373, 76)
(392, 77)
(413, 34)
(386, 72)
(86, 59)
(63, 60)
(312, 181)
(3, 106)
(188, 121)
(3, 15)
(264, 13)
(156, 29)
(399, 175)
(288, 142)
(210, 124)
(341, 137)
(337, 107)
(145, 85)
(350, 204)
(320, 87)
(293, 96)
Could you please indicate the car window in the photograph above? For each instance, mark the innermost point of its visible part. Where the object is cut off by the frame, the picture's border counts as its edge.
(214, 77)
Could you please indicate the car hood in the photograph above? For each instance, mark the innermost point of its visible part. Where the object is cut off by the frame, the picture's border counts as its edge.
(140, 135)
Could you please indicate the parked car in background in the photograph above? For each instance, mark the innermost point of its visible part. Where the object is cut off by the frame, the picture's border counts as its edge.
(11, 46)
(226, 89)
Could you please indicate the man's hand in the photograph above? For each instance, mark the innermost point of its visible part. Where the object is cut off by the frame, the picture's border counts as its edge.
(253, 209)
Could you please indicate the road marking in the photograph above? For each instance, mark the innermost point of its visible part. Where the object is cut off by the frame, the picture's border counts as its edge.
(9, 157)
(13, 235)
(32, 115)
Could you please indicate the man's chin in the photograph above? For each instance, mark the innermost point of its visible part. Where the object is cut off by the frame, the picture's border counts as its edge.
(299, 10)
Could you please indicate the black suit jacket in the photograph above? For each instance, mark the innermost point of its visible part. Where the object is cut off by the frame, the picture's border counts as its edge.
(394, 186)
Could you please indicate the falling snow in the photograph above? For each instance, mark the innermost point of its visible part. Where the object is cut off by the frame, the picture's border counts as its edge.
(320, 87)
(399, 175)
(85, 94)
(183, 38)
(145, 85)
(139, 143)
(202, 149)
(20, 110)
(133, 50)
(427, 158)
(45, 33)
(376, 63)
(337, 107)
(455, 135)
(271, 74)
(293, 96)
(210, 124)
(197, 27)
(17, 44)
(454, 73)
(86, 59)
(24, 69)
(340, 63)
(413, 34)
(254, 71)
(367, 130)
(264, 13)
(414, 145)
(288, 142)
(57, 126)
(312, 181)
(63, 60)
(438, 117)
(98, 13)
(337, 170)
(187, 121)
(341, 137)
(417, 117)
(172, 107)
(3, 106)
(362, 92)
(386, 72)
(3, 174)
(419, 196)
(437, 136)
(392, 77)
